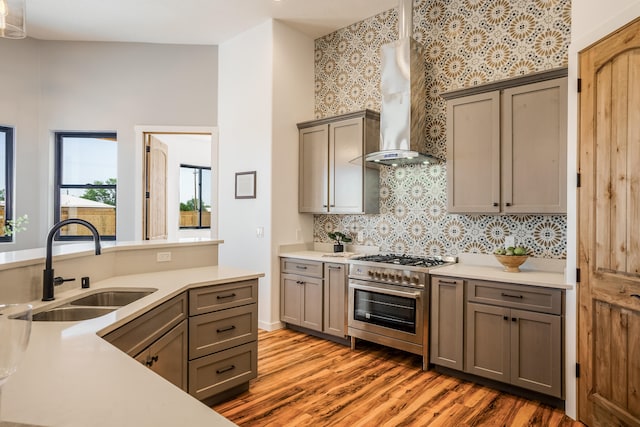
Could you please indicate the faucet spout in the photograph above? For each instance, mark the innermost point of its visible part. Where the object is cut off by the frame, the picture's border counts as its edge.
(47, 276)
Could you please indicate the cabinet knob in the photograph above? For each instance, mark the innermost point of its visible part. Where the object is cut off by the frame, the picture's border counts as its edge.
(514, 319)
(508, 204)
(505, 317)
(495, 204)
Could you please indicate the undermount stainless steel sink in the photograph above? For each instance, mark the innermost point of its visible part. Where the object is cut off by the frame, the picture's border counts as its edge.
(93, 305)
(70, 313)
(111, 298)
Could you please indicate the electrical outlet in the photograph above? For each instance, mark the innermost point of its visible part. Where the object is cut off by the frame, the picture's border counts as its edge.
(163, 256)
(260, 232)
(360, 237)
(509, 241)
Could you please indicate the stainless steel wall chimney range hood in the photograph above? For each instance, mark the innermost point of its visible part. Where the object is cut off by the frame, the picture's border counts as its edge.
(403, 111)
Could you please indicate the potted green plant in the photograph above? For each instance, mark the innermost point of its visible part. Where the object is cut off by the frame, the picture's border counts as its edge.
(339, 238)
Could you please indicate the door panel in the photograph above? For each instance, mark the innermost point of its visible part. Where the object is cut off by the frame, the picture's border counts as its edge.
(609, 230)
(156, 188)
(346, 166)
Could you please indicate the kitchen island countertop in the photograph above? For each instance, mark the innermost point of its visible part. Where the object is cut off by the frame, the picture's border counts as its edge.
(70, 376)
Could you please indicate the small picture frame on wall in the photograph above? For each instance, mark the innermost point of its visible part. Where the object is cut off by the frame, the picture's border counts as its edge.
(246, 185)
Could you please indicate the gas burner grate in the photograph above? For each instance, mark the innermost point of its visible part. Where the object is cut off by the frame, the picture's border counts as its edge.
(408, 260)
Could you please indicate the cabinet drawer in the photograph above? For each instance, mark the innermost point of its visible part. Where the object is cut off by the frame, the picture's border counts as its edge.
(525, 297)
(220, 297)
(300, 266)
(213, 332)
(218, 372)
(138, 334)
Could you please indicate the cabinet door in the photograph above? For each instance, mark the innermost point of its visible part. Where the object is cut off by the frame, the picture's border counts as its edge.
(534, 148)
(311, 315)
(447, 322)
(313, 190)
(334, 299)
(536, 354)
(291, 298)
(473, 153)
(346, 170)
(167, 356)
(488, 335)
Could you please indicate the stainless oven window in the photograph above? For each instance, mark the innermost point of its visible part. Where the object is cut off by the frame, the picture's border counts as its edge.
(390, 311)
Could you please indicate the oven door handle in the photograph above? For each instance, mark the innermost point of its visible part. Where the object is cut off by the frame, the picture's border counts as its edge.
(386, 291)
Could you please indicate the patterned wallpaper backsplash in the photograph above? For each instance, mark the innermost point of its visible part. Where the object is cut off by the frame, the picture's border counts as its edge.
(467, 42)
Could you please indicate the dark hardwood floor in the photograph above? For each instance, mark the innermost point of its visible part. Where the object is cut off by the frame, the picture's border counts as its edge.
(307, 381)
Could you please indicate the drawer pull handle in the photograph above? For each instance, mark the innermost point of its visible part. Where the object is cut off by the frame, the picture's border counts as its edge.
(226, 296)
(635, 296)
(334, 267)
(448, 282)
(301, 267)
(511, 296)
(227, 329)
(227, 369)
(150, 360)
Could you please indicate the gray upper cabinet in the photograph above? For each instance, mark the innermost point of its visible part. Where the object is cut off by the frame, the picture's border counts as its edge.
(506, 146)
(333, 176)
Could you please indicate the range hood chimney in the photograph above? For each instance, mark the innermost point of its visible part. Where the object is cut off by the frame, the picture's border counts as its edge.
(403, 111)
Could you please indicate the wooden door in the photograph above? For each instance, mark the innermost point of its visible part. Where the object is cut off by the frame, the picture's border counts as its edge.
(313, 190)
(534, 148)
(609, 231)
(156, 158)
(346, 170)
(473, 153)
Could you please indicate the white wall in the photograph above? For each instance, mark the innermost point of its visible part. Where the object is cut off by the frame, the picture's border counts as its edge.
(293, 86)
(591, 20)
(78, 86)
(245, 96)
(266, 86)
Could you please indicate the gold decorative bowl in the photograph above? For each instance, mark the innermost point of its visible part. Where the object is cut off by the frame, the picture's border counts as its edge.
(511, 262)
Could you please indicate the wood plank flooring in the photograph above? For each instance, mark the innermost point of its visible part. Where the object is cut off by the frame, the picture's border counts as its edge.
(307, 381)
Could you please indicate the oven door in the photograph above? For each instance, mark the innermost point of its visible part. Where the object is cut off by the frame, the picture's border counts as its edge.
(387, 310)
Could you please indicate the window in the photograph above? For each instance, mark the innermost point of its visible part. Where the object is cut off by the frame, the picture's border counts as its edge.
(85, 183)
(195, 197)
(6, 180)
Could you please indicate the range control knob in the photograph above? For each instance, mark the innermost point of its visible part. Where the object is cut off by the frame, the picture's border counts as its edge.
(415, 280)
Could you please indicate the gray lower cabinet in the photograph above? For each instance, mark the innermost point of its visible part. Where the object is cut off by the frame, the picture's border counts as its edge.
(514, 335)
(302, 293)
(158, 339)
(204, 341)
(313, 295)
(167, 357)
(447, 322)
(223, 338)
(335, 314)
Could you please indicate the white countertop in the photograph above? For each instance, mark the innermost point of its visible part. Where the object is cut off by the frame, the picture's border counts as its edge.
(339, 257)
(72, 377)
(548, 279)
(535, 272)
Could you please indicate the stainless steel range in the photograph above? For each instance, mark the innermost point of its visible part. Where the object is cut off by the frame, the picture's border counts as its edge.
(389, 301)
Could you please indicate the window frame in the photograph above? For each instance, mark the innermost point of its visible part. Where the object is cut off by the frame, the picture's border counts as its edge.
(58, 185)
(8, 179)
(200, 169)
